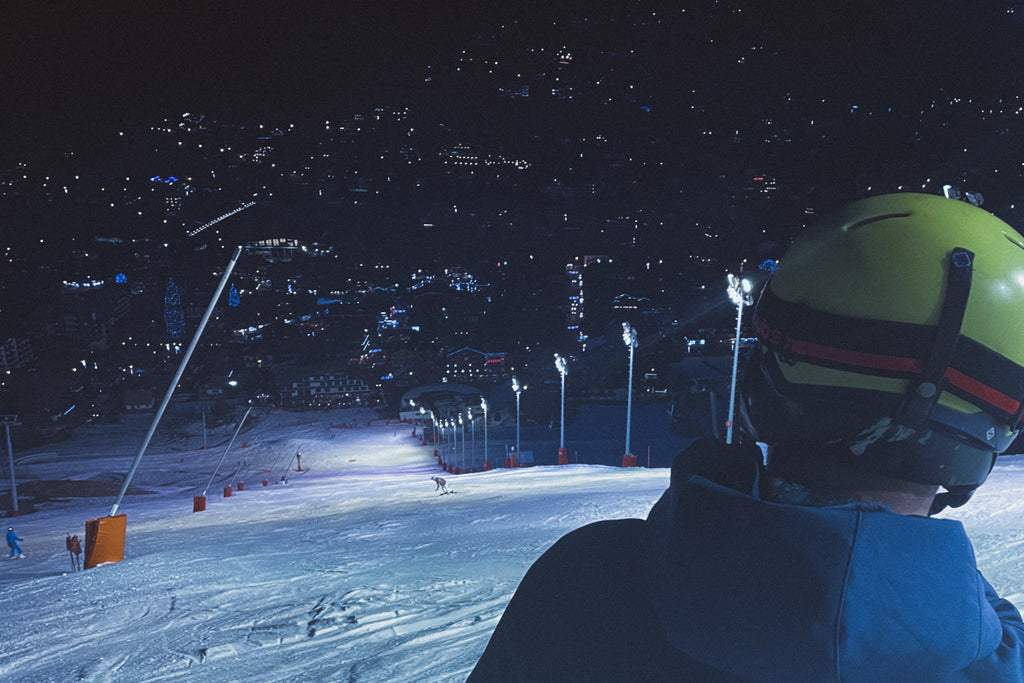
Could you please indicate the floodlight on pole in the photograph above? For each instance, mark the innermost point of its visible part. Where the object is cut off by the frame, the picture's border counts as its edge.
(518, 389)
(455, 442)
(563, 369)
(433, 428)
(442, 425)
(740, 294)
(9, 421)
(472, 426)
(629, 338)
(483, 404)
(460, 428)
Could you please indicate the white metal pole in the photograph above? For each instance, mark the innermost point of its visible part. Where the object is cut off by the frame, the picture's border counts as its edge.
(174, 381)
(629, 398)
(735, 365)
(10, 461)
(484, 404)
(224, 454)
(561, 437)
(517, 424)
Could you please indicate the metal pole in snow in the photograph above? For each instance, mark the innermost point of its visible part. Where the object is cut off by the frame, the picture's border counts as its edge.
(225, 453)
(9, 420)
(174, 382)
(483, 404)
(735, 365)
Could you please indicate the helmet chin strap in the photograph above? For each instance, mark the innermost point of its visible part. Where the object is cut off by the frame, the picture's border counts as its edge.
(953, 497)
(924, 393)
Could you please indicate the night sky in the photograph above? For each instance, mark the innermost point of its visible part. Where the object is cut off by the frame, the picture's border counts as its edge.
(70, 67)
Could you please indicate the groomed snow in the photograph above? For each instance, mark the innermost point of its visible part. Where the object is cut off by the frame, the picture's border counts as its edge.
(355, 570)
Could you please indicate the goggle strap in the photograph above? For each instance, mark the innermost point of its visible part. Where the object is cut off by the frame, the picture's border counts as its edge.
(925, 392)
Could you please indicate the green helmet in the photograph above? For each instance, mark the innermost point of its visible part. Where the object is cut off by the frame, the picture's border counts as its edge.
(892, 339)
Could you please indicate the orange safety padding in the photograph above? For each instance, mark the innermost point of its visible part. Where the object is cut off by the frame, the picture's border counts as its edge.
(104, 540)
(198, 503)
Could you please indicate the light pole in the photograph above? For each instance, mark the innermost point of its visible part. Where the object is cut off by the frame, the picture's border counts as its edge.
(483, 404)
(472, 427)
(446, 441)
(518, 388)
(455, 441)
(463, 469)
(629, 338)
(9, 421)
(439, 443)
(433, 429)
(739, 294)
(563, 370)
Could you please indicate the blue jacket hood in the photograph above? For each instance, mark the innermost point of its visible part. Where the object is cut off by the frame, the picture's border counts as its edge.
(875, 596)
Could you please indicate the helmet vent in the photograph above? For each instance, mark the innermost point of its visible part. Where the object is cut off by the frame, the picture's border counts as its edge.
(1015, 239)
(876, 219)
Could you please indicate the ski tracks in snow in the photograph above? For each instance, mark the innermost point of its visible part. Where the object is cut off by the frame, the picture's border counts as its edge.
(357, 573)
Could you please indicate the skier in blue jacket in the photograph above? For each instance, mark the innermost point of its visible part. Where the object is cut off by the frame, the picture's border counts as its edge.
(888, 378)
(12, 543)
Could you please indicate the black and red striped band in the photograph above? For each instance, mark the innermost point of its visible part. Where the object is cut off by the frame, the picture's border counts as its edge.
(977, 374)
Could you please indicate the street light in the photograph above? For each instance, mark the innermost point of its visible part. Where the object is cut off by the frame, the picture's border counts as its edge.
(9, 421)
(739, 294)
(455, 440)
(563, 370)
(483, 404)
(629, 338)
(439, 447)
(519, 389)
(463, 469)
(433, 428)
(472, 425)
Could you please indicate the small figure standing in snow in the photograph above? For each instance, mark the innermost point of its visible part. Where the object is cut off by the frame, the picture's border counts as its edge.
(441, 484)
(74, 547)
(12, 543)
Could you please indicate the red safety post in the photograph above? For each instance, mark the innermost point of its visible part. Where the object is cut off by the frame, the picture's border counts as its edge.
(198, 503)
(227, 491)
(628, 460)
(563, 456)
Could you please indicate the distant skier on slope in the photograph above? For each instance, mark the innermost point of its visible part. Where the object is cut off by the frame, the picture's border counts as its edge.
(441, 484)
(12, 543)
(886, 369)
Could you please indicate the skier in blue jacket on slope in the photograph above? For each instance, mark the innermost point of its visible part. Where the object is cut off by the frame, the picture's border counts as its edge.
(12, 543)
(889, 367)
